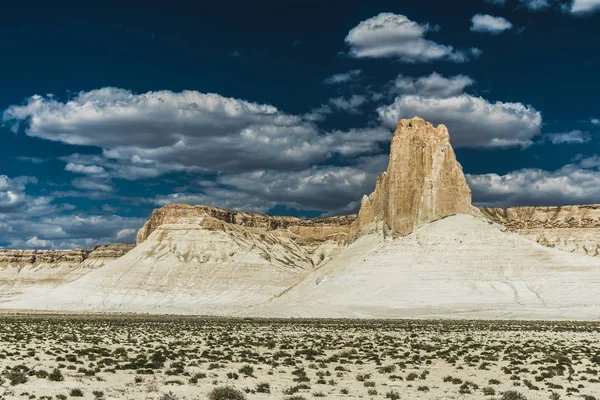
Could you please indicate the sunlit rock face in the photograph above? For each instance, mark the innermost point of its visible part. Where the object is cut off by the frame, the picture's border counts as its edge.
(423, 182)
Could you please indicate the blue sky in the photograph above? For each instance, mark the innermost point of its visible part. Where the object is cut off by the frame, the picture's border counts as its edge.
(110, 111)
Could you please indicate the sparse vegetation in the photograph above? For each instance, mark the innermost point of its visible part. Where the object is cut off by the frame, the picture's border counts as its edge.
(353, 359)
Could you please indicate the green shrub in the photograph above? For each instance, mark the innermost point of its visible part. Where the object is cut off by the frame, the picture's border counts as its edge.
(512, 395)
(488, 391)
(56, 376)
(226, 393)
(41, 374)
(246, 370)
(17, 378)
(392, 395)
(263, 388)
(76, 393)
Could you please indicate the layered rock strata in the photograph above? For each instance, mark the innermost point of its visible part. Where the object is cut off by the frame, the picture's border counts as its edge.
(303, 231)
(98, 256)
(567, 228)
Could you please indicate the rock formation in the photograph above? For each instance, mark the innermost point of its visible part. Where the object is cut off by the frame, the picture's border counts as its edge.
(423, 182)
(39, 271)
(303, 231)
(98, 256)
(35, 258)
(567, 228)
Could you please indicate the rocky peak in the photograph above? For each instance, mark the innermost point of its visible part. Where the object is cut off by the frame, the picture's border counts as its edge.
(423, 182)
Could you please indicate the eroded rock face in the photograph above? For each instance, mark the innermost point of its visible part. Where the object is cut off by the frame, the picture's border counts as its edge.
(302, 231)
(423, 182)
(38, 257)
(100, 254)
(110, 251)
(567, 228)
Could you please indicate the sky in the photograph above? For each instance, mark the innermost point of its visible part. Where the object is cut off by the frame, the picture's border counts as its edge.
(109, 110)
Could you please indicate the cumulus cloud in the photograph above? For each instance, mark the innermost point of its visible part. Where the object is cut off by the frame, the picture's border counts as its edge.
(595, 121)
(535, 5)
(325, 188)
(489, 24)
(187, 128)
(434, 85)
(73, 231)
(573, 137)
(332, 188)
(85, 169)
(29, 221)
(577, 183)
(13, 198)
(472, 121)
(351, 104)
(394, 35)
(343, 77)
(581, 7)
(157, 132)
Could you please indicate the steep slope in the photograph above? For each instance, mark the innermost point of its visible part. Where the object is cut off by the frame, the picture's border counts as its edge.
(575, 229)
(210, 261)
(461, 267)
(39, 271)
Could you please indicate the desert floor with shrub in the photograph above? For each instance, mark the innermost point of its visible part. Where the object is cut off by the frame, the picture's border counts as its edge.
(152, 357)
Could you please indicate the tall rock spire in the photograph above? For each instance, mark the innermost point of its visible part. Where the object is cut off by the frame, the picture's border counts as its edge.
(423, 182)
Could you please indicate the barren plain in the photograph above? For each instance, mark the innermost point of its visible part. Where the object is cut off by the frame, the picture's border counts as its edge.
(165, 357)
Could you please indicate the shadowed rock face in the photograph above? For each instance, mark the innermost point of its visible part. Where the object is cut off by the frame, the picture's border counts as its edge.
(423, 182)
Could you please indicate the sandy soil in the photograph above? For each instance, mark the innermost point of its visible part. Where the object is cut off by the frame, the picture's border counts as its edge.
(151, 357)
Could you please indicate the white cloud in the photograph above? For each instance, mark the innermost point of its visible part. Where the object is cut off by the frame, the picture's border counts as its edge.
(393, 35)
(595, 121)
(343, 77)
(33, 160)
(573, 137)
(434, 85)
(472, 121)
(490, 24)
(535, 5)
(577, 183)
(498, 2)
(333, 189)
(585, 6)
(318, 114)
(13, 198)
(350, 105)
(85, 169)
(88, 184)
(28, 221)
(150, 134)
(36, 243)
(224, 198)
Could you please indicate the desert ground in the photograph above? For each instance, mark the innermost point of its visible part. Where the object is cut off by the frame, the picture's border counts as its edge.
(163, 357)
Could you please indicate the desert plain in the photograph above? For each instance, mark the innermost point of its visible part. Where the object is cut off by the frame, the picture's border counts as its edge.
(176, 357)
